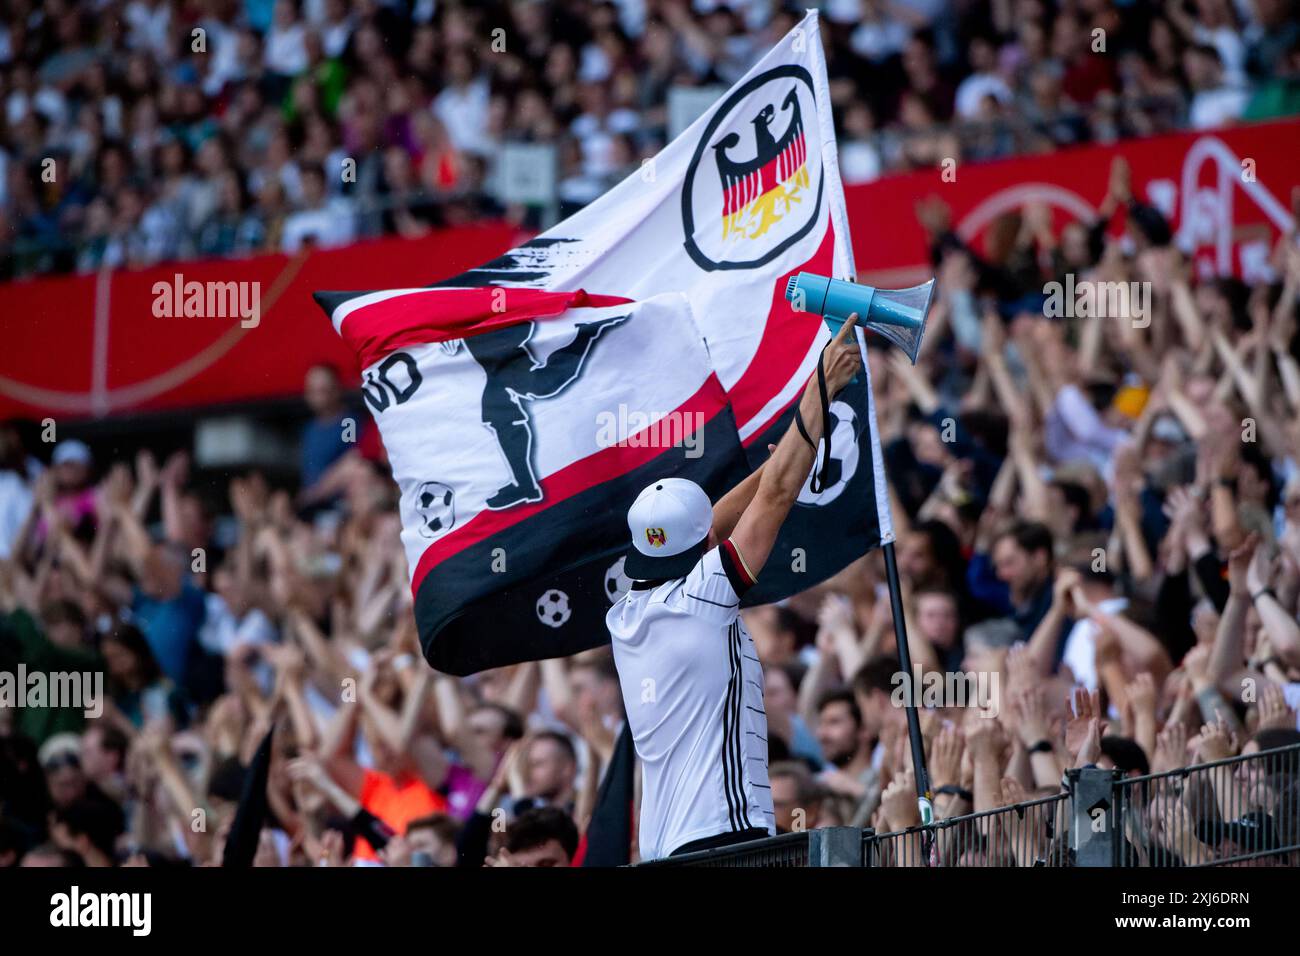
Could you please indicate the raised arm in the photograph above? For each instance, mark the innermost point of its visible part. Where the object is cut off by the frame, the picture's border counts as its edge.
(1280, 626)
(290, 671)
(1228, 655)
(729, 508)
(336, 749)
(786, 471)
(455, 724)
(425, 749)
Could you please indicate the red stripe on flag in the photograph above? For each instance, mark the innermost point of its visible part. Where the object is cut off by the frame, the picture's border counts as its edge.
(787, 337)
(600, 466)
(427, 316)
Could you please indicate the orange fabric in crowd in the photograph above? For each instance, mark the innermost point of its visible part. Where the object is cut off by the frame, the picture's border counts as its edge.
(396, 803)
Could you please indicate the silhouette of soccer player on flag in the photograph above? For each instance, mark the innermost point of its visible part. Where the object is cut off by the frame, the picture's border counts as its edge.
(515, 377)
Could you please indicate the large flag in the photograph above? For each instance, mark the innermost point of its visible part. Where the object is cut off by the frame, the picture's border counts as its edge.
(524, 403)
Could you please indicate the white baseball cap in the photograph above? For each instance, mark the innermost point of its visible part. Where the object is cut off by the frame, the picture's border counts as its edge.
(670, 522)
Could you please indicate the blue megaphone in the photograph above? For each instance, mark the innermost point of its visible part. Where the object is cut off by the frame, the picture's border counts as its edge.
(897, 314)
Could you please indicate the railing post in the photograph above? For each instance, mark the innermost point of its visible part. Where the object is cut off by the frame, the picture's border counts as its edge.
(1095, 827)
(835, 846)
(868, 846)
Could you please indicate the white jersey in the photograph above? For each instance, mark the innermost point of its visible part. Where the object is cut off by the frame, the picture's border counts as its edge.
(693, 689)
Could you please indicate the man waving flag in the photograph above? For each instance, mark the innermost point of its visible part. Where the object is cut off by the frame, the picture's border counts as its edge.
(692, 681)
(524, 403)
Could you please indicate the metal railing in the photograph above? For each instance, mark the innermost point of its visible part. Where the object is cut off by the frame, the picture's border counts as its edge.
(786, 850)
(1234, 812)
(1238, 811)
(1024, 834)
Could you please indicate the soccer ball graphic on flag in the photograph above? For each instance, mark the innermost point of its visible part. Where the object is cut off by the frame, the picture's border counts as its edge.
(435, 503)
(844, 457)
(616, 582)
(553, 608)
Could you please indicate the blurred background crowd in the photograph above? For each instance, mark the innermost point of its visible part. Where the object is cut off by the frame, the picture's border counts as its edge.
(1103, 511)
(149, 130)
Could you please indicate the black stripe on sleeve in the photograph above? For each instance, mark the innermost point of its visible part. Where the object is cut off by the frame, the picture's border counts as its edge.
(735, 574)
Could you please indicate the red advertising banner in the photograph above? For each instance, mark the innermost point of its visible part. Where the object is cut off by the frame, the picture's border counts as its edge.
(93, 345)
(1226, 193)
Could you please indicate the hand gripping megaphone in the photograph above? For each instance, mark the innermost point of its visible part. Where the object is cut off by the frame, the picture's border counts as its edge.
(897, 314)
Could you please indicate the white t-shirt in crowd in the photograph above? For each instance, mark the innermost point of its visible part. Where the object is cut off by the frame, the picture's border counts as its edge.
(1081, 644)
(1211, 109)
(222, 632)
(15, 504)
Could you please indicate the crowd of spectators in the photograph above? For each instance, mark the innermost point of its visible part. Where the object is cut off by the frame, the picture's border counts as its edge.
(1099, 511)
(148, 130)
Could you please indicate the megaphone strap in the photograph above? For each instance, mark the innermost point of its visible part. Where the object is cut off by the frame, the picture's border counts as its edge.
(803, 429)
(817, 482)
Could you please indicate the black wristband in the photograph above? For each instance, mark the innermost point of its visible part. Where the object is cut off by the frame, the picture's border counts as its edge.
(1043, 746)
(1260, 593)
(955, 791)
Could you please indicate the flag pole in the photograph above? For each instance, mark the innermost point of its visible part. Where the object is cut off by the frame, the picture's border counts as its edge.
(924, 798)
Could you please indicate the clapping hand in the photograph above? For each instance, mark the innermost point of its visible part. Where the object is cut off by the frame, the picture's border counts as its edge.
(945, 757)
(1171, 748)
(1034, 725)
(898, 801)
(1215, 742)
(1090, 750)
(1142, 693)
(1274, 714)
(1086, 711)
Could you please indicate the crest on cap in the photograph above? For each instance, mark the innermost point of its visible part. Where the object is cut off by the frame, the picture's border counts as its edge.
(655, 537)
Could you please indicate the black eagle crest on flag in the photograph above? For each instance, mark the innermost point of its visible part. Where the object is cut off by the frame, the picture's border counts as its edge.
(756, 193)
